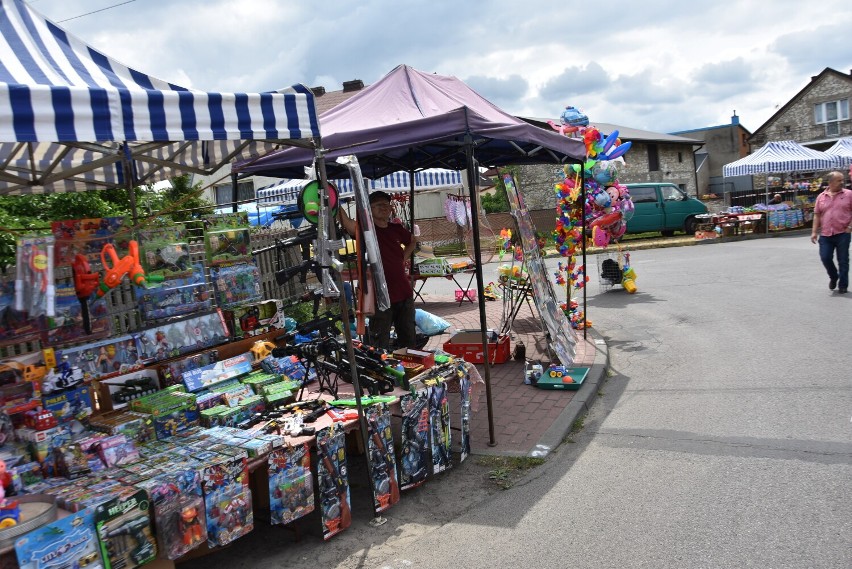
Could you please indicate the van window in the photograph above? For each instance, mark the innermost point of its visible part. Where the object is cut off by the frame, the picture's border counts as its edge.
(643, 195)
(672, 194)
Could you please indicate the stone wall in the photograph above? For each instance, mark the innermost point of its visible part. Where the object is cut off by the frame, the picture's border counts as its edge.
(797, 121)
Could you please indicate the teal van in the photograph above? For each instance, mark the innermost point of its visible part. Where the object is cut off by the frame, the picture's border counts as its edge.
(663, 207)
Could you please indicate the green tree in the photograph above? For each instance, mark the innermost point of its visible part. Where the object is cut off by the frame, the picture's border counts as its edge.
(498, 201)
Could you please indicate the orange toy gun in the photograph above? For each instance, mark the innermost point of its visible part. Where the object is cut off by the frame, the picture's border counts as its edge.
(116, 268)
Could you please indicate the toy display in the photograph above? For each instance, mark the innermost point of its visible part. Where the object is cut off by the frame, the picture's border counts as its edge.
(125, 388)
(68, 542)
(226, 238)
(173, 371)
(236, 284)
(105, 358)
(87, 237)
(439, 427)
(165, 251)
(123, 526)
(69, 323)
(176, 338)
(14, 325)
(415, 440)
(382, 457)
(70, 406)
(35, 291)
(333, 481)
(291, 484)
(211, 374)
(177, 296)
(227, 500)
(178, 511)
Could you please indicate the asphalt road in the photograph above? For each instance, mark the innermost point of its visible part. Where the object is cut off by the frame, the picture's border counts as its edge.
(722, 438)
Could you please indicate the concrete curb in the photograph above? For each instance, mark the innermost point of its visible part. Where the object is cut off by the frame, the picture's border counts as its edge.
(582, 401)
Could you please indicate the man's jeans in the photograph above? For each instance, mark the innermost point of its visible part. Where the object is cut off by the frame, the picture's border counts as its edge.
(827, 248)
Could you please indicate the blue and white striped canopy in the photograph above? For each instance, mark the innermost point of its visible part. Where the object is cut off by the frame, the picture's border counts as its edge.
(69, 115)
(779, 157)
(287, 191)
(842, 152)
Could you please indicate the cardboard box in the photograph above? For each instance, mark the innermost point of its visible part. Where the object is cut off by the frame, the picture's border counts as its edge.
(426, 359)
(467, 344)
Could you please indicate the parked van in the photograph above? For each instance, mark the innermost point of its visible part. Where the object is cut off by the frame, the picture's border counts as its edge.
(663, 207)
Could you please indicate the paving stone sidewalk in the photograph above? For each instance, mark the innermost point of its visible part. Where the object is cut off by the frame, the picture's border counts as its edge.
(528, 421)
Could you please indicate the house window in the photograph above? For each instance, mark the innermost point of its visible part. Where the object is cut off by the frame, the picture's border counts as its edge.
(787, 128)
(224, 196)
(830, 113)
(680, 156)
(653, 158)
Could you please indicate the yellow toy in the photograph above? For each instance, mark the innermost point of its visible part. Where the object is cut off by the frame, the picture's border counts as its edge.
(261, 349)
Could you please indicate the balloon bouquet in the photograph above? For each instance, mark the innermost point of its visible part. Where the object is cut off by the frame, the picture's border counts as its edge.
(607, 207)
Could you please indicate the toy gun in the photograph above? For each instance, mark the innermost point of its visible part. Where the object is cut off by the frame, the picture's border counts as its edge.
(85, 283)
(116, 268)
(302, 269)
(135, 528)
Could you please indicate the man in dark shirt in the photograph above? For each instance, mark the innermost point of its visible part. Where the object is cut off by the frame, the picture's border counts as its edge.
(396, 245)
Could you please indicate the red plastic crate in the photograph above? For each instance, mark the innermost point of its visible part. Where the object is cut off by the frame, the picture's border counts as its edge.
(467, 344)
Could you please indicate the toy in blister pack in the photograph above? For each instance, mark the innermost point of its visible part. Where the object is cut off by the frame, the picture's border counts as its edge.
(173, 371)
(439, 426)
(176, 297)
(176, 338)
(226, 238)
(105, 358)
(333, 480)
(126, 538)
(35, 290)
(291, 484)
(68, 542)
(14, 325)
(227, 500)
(67, 325)
(178, 511)
(291, 367)
(382, 457)
(229, 517)
(414, 467)
(87, 237)
(236, 284)
(165, 250)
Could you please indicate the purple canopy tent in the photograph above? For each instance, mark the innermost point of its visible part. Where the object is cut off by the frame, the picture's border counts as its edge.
(410, 120)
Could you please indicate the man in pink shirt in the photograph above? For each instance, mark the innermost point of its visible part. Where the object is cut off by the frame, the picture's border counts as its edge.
(833, 227)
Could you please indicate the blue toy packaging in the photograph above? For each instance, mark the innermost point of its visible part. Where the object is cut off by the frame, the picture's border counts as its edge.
(103, 359)
(68, 542)
(236, 284)
(227, 500)
(211, 374)
(175, 338)
(176, 297)
(333, 481)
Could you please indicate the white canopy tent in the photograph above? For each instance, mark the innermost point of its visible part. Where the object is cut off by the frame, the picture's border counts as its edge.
(74, 119)
(842, 152)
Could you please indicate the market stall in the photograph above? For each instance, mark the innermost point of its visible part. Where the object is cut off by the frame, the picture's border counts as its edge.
(780, 157)
(410, 120)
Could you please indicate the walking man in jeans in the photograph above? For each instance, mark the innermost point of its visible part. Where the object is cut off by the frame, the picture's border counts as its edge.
(833, 227)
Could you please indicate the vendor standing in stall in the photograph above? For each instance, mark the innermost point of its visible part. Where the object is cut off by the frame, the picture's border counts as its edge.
(396, 245)
(833, 229)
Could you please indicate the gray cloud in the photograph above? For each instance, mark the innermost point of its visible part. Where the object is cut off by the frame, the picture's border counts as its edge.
(501, 92)
(724, 79)
(826, 46)
(575, 81)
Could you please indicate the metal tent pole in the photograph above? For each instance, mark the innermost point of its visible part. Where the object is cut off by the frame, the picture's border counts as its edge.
(327, 224)
(472, 176)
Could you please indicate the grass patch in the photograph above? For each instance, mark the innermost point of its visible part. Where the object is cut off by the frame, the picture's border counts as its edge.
(578, 423)
(506, 470)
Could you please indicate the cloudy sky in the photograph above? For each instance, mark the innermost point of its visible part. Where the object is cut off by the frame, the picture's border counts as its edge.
(653, 64)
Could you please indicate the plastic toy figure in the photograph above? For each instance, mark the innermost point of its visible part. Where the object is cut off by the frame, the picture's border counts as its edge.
(189, 525)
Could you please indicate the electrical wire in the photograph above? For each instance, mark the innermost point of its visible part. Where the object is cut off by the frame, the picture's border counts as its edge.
(95, 11)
